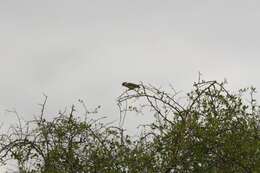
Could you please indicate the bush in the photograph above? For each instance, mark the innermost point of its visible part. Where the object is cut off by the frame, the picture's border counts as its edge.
(211, 131)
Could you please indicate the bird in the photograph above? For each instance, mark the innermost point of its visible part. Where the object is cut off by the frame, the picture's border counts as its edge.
(130, 86)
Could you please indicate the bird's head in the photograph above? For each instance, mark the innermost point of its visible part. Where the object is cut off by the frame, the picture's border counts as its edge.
(124, 83)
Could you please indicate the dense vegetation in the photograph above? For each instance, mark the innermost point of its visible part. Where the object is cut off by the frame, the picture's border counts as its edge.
(208, 130)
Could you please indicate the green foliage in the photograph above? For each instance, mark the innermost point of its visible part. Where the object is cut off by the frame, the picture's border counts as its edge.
(211, 131)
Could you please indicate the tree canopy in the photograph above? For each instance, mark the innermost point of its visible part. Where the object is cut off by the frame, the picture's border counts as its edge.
(208, 130)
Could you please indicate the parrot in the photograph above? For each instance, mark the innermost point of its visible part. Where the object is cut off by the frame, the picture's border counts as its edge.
(130, 86)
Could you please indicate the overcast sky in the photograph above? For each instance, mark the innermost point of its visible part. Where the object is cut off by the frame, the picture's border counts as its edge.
(87, 48)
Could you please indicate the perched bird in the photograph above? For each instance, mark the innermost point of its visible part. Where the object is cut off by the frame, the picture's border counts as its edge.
(130, 86)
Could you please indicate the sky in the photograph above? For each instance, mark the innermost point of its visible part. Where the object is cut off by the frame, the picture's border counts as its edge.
(85, 49)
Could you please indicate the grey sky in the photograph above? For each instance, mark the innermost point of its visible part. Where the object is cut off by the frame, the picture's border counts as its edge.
(85, 49)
